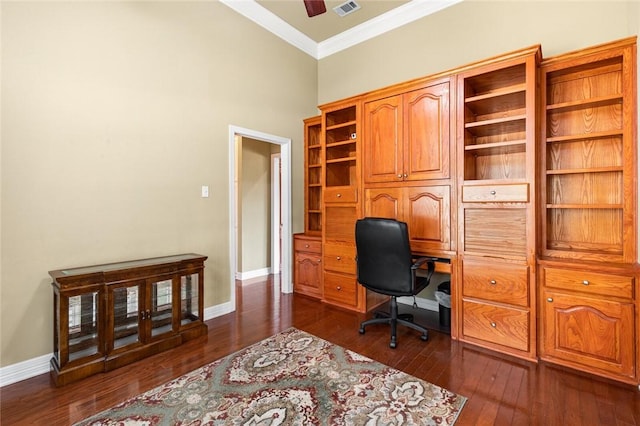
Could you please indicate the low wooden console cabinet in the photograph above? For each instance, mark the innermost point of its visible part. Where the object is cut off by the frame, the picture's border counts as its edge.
(106, 316)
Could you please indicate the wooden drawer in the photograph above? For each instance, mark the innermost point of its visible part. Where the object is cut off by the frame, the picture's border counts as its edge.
(340, 258)
(307, 245)
(344, 194)
(517, 193)
(589, 282)
(497, 281)
(496, 324)
(340, 289)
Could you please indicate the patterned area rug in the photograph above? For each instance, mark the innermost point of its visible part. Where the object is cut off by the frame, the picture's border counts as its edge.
(292, 378)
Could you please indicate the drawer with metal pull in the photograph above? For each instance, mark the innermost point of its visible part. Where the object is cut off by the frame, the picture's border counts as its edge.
(589, 282)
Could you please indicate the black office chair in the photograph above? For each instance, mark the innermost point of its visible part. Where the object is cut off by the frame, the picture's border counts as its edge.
(385, 265)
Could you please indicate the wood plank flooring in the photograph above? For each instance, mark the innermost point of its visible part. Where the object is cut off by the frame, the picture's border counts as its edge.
(501, 390)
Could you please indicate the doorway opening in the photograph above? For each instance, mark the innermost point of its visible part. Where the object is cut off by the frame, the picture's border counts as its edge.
(235, 145)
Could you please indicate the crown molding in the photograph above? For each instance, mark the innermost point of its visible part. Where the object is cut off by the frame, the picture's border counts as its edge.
(252, 10)
(395, 18)
(381, 24)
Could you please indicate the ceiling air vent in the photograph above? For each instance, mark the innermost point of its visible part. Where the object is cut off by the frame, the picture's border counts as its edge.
(346, 8)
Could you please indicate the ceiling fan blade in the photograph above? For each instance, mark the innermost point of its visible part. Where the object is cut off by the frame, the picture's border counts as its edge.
(315, 7)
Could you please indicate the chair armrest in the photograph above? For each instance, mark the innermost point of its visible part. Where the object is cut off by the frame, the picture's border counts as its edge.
(431, 266)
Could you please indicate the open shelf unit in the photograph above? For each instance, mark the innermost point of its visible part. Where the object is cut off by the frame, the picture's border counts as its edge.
(495, 124)
(313, 175)
(340, 151)
(588, 156)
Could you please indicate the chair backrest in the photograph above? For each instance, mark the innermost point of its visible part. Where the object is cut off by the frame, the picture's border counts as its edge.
(384, 256)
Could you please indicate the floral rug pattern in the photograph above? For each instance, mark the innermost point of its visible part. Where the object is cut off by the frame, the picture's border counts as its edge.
(291, 378)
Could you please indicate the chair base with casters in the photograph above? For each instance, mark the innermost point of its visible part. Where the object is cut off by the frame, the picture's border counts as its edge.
(393, 319)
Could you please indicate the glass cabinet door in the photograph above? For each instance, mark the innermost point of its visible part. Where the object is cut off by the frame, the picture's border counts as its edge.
(189, 298)
(81, 337)
(161, 310)
(126, 304)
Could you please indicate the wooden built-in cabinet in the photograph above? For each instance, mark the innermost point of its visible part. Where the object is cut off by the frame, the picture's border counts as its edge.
(307, 270)
(522, 173)
(588, 216)
(588, 317)
(313, 174)
(496, 178)
(307, 246)
(341, 204)
(407, 136)
(106, 316)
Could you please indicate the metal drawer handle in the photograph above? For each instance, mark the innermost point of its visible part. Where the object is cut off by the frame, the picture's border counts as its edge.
(492, 282)
(493, 192)
(338, 258)
(338, 288)
(585, 282)
(306, 246)
(400, 175)
(493, 324)
(339, 195)
(406, 175)
(549, 299)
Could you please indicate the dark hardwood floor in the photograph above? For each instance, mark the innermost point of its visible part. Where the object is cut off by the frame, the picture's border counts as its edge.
(501, 390)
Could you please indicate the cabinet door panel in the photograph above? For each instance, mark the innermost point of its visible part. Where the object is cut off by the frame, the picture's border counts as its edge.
(428, 214)
(125, 307)
(386, 202)
(426, 148)
(383, 140)
(308, 273)
(589, 332)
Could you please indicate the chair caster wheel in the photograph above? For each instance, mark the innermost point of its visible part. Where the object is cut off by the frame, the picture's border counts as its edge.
(424, 337)
(392, 345)
(361, 330)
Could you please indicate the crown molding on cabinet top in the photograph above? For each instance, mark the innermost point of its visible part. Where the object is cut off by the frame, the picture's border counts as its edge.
(381, 24)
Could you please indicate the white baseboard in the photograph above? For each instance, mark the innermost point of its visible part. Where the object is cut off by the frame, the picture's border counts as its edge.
(40, 365)
(253, 274)
(24, 370)
(423, 303)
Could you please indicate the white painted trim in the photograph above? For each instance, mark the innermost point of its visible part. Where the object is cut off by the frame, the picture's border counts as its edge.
(218, 310)
(381, 24)
(275, 214)
(285, 161)
(395, 18)
(250, 9)
(24, 370)
(254, 274)
(40, 365)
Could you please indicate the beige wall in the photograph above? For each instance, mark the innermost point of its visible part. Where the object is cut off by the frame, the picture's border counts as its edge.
(113, 116)
(256, 206)
(471, 31)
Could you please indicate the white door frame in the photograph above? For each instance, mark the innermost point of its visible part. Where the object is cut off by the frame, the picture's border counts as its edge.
(285, 159)
(276, 202)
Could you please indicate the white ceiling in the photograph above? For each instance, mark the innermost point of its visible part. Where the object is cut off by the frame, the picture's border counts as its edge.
(328, 33)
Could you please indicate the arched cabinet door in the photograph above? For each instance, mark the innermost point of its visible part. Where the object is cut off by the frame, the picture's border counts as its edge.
(589, 332)
(407, 136)
(425, 209)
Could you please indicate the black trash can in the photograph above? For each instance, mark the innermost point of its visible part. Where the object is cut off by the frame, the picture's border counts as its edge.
(445, 311)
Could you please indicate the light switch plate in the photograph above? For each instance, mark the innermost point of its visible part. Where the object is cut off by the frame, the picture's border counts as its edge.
(205, 191)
